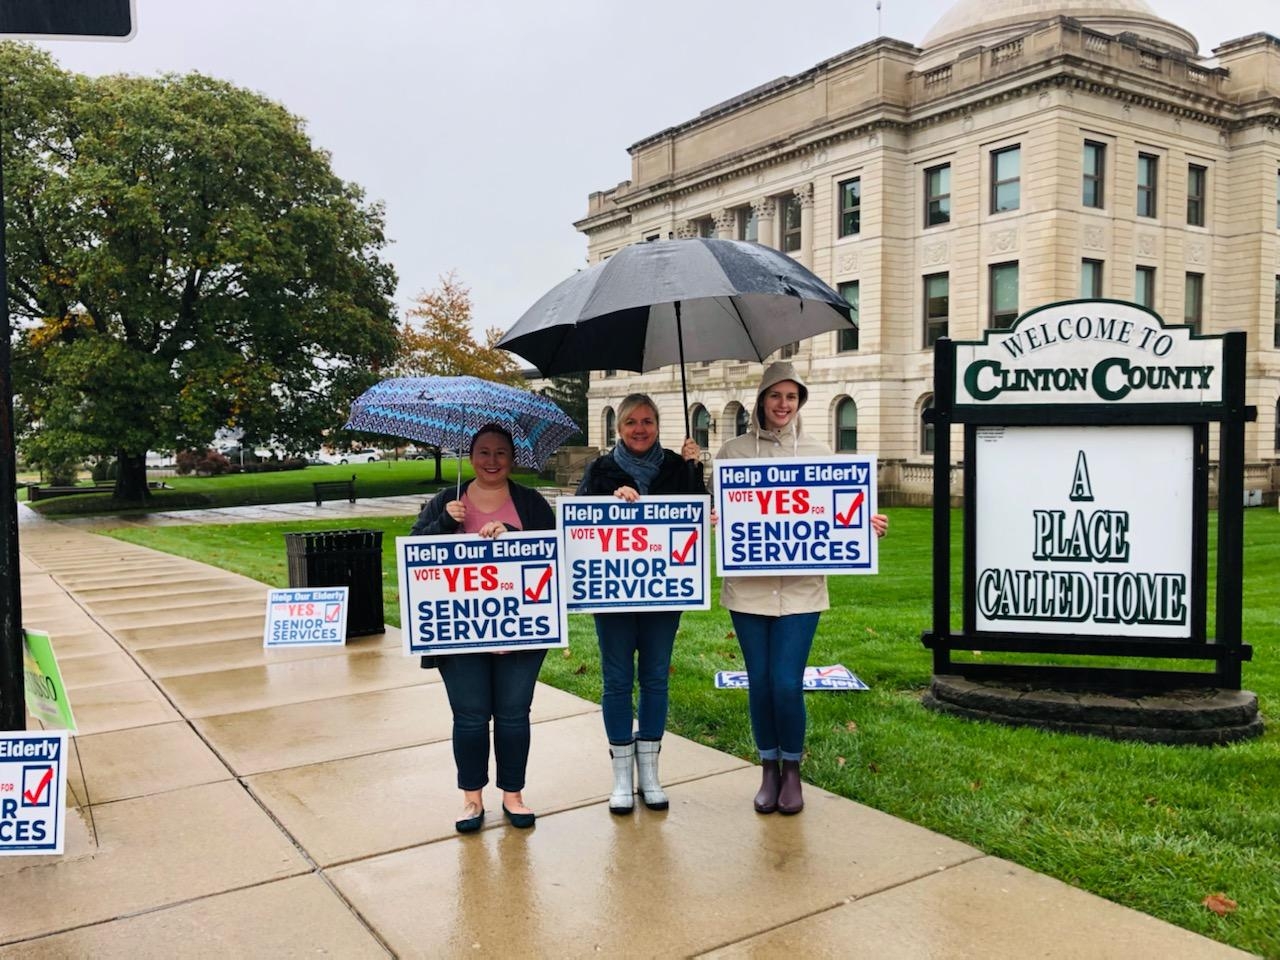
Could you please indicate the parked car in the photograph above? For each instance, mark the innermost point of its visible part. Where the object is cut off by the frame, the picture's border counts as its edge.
(426, 453)
(354, 456)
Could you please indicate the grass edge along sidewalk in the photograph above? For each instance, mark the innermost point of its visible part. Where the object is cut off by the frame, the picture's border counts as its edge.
(1155, 828)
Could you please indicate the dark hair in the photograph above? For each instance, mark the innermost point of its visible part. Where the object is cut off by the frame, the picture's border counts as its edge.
(492, 428)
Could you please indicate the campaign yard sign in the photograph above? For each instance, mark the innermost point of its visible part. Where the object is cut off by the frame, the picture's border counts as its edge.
(836, 677)
(807, 515)
(1074, 538)
(46, 693)
(649, 555)
(33, 786)
(470, 594)
(314, 617)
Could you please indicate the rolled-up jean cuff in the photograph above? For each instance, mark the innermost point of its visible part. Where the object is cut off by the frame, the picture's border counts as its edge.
(797, 757)
(773, 754)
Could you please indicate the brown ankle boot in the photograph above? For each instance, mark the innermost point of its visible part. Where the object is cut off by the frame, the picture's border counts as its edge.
(790, 799)
(767, 799)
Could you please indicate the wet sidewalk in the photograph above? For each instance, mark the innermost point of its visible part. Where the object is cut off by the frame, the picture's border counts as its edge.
(242, 802)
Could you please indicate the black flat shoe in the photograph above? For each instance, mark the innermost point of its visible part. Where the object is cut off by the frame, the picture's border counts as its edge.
(470, 824)
(521, 821)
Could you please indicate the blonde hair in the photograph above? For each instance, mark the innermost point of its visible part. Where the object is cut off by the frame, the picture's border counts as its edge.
(633, 400)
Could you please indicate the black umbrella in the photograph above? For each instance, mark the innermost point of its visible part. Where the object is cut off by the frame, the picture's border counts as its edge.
(670, 301)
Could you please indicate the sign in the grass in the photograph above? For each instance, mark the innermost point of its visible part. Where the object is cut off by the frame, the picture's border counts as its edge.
(837, 677)
(1085, 530)
(33, 783)
(470, 594)
(314, 617)
(1089, 352)
(808, 515)
(46, 693)
(648, 555)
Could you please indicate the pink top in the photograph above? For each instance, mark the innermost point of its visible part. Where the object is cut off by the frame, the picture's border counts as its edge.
(477, 518)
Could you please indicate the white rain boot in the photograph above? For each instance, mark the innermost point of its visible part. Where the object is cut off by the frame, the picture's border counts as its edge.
(651, 792)
(623, 798)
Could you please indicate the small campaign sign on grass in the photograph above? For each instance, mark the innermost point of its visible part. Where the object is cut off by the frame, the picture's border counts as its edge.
(46, 693)
(837, 677)
(314, 617)
(808, 515)
(33, 784)
(470, 594)
(649, 555)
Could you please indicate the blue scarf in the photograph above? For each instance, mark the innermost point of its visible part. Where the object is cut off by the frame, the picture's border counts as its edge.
(643, 468)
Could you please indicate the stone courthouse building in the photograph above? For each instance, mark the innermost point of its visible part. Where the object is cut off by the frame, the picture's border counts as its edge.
(1029, 151)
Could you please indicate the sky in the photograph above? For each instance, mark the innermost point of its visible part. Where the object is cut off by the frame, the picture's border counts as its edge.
(482, 125)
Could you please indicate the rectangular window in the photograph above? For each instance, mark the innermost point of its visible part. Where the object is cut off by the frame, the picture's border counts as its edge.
(1144, 287)
(1197, 180)
(1277, 316)
(1006, 179)
(937, 306)
(790, 224)
(1148, 169)
(851, 207)
(1004, 294)
(748, 227)
(788, 350)
(1193, 308)
(706, 227)
(1095, 170)
(937, 195)
(847, 338)
(1091, 278)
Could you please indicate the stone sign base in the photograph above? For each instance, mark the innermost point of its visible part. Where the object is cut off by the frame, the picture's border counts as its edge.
(1179, 716)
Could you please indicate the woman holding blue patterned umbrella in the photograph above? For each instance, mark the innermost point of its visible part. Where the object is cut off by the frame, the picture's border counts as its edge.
(485, 686)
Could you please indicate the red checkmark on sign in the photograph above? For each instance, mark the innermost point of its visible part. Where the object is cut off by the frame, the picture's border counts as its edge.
(333, 613)
(535, 593)
(844, 519)
(40, 787)
(682, 556)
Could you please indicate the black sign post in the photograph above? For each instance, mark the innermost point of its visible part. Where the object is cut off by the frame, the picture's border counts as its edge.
(36, 19)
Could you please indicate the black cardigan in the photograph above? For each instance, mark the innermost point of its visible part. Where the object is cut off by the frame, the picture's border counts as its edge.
(676, 475)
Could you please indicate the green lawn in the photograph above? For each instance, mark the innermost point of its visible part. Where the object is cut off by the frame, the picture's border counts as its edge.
(1156, 828)
(387, 478)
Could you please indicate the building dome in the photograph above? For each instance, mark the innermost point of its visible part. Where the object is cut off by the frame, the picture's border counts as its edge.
(987, 23)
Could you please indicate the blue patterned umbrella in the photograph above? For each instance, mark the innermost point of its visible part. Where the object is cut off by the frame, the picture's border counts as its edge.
(446, 411)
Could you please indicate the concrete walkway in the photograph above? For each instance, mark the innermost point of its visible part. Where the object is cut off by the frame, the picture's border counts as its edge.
(237, 802)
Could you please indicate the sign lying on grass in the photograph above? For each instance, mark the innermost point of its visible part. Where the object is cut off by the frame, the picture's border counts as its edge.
(33, 785)
(46, 693)
(836, 677)
(471, 594)
(315, 617)
(649, 555)
(808, 515)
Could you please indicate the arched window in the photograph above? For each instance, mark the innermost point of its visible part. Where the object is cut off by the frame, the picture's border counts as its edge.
(1278, 424)
(926, 429)
(741, 421)
(846, 426)
(701, 426)
(610, 427)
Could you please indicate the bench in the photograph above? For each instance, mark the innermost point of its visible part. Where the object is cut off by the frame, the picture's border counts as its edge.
(38, 492)
(335, 490)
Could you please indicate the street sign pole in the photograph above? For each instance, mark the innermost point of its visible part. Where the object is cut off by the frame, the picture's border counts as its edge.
(38, 19)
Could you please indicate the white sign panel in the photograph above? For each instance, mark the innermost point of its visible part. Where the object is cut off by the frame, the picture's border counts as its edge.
(471, 594)
(649, 555)
(33, 786)
(1073, 538)
(808, 515)
(1089, 351)
(314, 617)
(837, 677)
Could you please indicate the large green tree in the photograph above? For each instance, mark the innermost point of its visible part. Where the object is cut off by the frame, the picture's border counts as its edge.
(181, 258)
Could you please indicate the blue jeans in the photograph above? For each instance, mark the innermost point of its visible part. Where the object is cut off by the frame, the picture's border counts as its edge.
(485, 685)
(625, 639)
(775, 651)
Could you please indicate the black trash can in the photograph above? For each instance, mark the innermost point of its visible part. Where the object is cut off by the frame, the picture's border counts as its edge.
(342, 558)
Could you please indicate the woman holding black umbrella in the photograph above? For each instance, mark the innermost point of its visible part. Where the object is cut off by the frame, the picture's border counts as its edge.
(638, 645)
(484, 686)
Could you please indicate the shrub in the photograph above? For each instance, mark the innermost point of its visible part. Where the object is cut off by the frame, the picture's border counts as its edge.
(207, 463)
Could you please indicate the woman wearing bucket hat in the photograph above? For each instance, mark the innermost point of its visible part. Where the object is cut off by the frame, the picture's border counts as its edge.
(775, 618)
(636, 647)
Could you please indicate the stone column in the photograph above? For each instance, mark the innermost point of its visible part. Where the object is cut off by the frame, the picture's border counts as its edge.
(726, 224)
(766, 232)
(804, 194)
(686, 230)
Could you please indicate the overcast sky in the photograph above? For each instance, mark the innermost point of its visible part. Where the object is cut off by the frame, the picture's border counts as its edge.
(483, 124)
